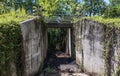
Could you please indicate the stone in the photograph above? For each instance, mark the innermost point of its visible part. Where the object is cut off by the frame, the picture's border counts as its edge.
(69, 68)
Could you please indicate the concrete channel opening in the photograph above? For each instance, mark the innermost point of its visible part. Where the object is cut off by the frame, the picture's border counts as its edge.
(88, 52)
(38, 54)
(61, 53)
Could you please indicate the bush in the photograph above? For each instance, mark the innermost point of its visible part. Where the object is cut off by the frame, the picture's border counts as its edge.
(10, 40)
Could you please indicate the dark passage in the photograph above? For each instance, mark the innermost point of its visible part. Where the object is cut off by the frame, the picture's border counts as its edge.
(55, 62)
(58, 60)
(57, 38)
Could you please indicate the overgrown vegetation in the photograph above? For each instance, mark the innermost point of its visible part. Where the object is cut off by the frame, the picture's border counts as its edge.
(108, 21)
(10, 41)
(113, 11)
(57, 38)
(29, 5)
(17, 16)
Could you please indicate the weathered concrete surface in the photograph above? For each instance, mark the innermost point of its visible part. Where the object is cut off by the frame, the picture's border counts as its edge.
(93, 47)
(115, 59)
(73, 74)
(13, 69)
(70, 42)
(97, 47)
(73, 53)
(34, 46)
(95, 51)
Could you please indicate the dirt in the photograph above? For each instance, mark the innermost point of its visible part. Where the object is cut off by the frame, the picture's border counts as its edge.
(60, 64)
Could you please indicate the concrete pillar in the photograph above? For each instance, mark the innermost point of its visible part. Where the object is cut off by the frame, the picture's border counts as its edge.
(69, 38)
(68, 42)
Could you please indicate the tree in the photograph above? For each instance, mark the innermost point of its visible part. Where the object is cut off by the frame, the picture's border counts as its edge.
(48, 6)
(59, 7)
(94, 7)
(112, 11)
(114, 2)
(7, 5)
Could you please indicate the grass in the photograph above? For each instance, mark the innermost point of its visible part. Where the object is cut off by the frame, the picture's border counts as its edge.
(17, 16)
(108, 21)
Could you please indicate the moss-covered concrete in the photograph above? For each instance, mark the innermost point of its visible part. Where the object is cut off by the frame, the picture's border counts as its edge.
(97, 47)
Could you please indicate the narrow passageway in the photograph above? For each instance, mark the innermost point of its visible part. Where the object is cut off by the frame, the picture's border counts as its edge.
(59, 61)
(60, 64)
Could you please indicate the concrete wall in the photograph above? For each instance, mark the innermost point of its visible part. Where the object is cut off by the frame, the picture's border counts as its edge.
(34, 36)
(115, 59)
(97, 47)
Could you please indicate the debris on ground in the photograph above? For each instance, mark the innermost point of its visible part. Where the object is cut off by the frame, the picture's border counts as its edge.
(61, 64)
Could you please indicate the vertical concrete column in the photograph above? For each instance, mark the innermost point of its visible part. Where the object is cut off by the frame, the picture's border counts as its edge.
(69, 42)
(73, 43)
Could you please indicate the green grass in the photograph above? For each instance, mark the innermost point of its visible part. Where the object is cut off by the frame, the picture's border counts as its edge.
(108, 21)
(16, 16)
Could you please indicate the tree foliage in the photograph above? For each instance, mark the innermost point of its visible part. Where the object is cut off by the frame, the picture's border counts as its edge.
(94, 7)
(48, 6)
(8, 5)
(113, 9)
(59, 7)
(114, 2)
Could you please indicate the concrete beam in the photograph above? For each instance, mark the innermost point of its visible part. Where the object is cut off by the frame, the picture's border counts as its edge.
(59, 25)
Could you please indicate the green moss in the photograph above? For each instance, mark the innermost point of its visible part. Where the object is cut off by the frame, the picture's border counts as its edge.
(108, 21)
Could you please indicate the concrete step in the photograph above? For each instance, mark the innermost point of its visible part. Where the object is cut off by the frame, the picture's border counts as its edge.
(71, 68)
(66, 74)
(73, 74)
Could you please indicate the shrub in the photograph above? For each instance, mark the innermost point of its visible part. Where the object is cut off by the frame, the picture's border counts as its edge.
(9, 46)
(10, 40)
